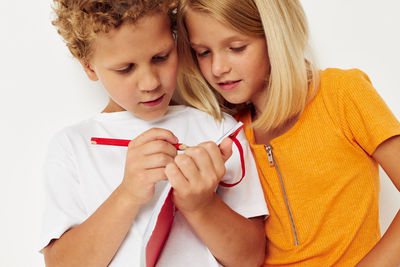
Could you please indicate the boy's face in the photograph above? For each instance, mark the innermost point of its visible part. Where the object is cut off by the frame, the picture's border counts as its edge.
(137, 65)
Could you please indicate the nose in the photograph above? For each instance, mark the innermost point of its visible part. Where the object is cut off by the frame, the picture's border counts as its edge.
(220, 65)
(148, 79)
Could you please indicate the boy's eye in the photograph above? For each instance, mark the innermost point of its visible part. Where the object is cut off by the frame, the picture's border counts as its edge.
(163, 58)
(126, 69)
(238, 49)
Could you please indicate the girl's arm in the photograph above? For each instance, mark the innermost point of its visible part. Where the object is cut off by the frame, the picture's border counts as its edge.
(96, 240)
(233, 239)
(386, 251)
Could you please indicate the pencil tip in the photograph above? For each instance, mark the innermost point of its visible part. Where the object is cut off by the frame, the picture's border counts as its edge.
(183, 147)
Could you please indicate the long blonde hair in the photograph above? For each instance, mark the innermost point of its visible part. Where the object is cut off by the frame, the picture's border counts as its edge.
(293, 79)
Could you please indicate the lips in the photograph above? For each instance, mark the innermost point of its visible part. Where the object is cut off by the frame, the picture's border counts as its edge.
(229, 85)
(154, 102)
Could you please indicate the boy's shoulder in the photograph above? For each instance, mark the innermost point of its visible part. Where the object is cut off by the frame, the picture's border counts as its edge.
(69, 133)
(76, 126)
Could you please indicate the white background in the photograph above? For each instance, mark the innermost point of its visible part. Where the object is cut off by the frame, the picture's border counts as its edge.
(43, 89)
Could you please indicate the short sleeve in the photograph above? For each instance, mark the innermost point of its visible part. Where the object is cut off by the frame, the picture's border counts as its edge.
(366, 119)
(245, 198)
(63, 205)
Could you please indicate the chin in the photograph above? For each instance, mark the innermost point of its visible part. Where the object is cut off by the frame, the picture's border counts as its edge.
(235, 100)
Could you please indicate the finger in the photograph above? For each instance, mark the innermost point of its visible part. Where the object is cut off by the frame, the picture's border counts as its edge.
(158, 160)
(188, 167)
(154, 134)
(155, 147)
(141, 178)
(226, 148)
(201, 157)
(155, 175)
(215, 155)
(176, 178)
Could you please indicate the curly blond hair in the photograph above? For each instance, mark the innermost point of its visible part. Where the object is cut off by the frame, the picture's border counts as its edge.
(79, 22)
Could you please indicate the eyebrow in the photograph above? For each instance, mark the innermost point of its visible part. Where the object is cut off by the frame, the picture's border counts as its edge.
(225, 41)
(119, 65)
(195, 45)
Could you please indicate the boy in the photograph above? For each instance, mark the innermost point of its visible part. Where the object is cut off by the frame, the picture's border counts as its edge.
(97, 206)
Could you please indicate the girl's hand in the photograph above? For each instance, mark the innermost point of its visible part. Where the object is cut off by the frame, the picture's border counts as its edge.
(195, 174)
(146, 159)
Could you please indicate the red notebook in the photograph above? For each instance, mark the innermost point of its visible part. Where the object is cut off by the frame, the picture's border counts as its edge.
(159, 226)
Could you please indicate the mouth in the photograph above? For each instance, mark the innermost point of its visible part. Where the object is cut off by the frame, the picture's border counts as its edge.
(153, 102)
(229, 85)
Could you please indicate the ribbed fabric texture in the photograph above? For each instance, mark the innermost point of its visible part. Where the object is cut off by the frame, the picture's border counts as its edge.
(330, 179)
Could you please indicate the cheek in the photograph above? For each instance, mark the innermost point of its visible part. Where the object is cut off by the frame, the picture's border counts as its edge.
(263, 62)
(170, 75)
(109, 83)
(118, 87)
(205, 69)
(258, 68)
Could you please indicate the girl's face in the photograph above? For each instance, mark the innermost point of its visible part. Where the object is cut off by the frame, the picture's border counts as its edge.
(137, 65)
(236, 65)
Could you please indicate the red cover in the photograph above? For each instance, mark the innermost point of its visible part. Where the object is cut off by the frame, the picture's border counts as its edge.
(160, 232)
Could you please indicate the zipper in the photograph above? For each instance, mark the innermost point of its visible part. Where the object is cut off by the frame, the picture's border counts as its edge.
(272, 163)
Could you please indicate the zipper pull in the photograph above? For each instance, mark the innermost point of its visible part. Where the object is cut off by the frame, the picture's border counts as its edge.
(271, 160)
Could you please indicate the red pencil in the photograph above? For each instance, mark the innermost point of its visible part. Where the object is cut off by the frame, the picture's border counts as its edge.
(124, 142)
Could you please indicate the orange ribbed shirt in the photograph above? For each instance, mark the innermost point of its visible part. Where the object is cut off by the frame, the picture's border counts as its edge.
(319, 179)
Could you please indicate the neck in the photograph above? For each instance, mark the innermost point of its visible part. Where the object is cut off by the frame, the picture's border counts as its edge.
(265, 136)
(112, 107)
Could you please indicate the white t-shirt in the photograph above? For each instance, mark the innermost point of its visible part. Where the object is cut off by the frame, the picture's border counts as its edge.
(80, 176)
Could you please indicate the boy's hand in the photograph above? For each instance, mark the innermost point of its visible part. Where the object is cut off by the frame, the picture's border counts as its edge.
(195, 174)
(147, 156)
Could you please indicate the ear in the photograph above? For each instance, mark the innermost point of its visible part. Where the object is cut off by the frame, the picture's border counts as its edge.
(89, 70)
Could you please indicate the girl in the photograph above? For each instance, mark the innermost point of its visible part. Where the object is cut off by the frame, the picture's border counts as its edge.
(100, 199)
(317, 136)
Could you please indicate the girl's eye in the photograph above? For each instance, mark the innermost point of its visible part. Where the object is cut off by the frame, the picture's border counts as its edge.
(157, 59)
(127, 69)
(203, 53)
(238, 49)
